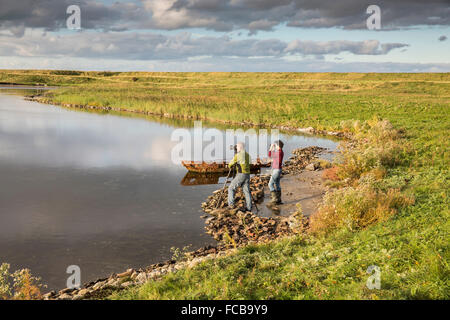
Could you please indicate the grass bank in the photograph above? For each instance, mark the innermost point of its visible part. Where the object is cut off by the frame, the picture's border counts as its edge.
(410, 248)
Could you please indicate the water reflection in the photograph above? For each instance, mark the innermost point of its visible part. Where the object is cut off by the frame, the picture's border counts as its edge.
(195, 179)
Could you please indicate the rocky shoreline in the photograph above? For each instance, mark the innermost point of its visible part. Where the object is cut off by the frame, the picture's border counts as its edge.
(232, 228)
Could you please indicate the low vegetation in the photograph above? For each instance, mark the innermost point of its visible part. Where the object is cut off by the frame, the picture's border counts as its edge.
(364, 195)
(18, 285)
(389, 206)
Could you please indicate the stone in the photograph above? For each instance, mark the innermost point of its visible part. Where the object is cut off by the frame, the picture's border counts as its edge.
(98, 285)
(67, 290)
(83, 292)
(113, 282)
(49, 295)
(65, 296)
(141, 277)
(127, 284)
(127, 273)
(309, 130)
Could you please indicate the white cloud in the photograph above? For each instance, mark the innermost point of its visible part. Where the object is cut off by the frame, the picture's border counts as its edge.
(152, 46)
(262, 64)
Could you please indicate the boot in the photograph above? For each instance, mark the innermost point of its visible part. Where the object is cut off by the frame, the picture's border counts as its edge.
(278, 197)
(273, 195)
(273, 201)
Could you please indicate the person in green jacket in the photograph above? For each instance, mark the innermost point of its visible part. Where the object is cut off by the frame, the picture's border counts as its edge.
(242, 161)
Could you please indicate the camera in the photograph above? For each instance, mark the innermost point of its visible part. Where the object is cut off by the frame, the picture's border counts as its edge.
(233, 147)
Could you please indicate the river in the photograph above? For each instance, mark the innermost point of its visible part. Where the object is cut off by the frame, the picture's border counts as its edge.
(95, 190)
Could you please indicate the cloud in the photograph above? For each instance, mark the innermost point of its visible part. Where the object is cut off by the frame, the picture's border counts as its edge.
(255, 15)
(153, 46)
(220, 15)
(368, 47)
(210, 64)
(51, 14)
(442, 38)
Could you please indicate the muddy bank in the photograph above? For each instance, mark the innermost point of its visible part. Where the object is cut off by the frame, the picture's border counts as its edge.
(232, 228)
(305, 188)
(308, 130)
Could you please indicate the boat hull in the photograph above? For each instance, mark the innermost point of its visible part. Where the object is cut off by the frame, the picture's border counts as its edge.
(214, 167)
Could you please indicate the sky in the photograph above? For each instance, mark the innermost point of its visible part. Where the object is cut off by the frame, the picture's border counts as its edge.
(227, 35)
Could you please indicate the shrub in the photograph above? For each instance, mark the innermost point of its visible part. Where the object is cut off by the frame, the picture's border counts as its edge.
(331, 174)
(376, 145)
(19, 285)
(362, 166)
(356, 207)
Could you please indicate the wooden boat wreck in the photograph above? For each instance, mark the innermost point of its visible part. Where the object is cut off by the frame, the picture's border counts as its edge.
(218, 167)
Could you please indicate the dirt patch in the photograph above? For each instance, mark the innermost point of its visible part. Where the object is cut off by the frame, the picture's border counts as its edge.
(306, 188)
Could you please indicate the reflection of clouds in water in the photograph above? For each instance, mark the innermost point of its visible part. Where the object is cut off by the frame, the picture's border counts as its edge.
(159, 150)
(33, 133)
(49, 136)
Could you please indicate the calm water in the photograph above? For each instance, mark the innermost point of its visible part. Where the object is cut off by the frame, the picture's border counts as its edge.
(94, 190)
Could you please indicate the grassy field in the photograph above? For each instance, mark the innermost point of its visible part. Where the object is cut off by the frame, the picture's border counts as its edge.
(411, 248)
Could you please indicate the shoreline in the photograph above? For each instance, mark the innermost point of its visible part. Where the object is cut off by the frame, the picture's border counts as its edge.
(231, 238)
(308, 130)
(232, 229)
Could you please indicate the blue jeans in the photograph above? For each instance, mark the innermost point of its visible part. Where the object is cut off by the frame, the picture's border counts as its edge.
(241, 180)
(274, 183)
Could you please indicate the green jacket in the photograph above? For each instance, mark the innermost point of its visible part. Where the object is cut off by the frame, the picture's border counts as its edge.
(242, 161)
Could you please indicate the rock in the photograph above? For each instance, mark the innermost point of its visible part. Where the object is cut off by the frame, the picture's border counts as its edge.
(141, 277)
(171, 269)
(127, 273)
(65, 296)
(309, 130)
(154, 274)
(49, 295)
(83, 292)
(113, 282)
(127, 284)
(98, 285)
(179, 266)
(310, 167)
(66, 290)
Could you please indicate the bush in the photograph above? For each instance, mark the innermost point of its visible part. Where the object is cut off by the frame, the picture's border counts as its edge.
(19, 285)
(376, 145)
(357, 207)
(331, 174)
(362, 166)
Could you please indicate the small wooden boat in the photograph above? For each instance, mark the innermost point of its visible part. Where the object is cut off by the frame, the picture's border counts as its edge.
(217, 167)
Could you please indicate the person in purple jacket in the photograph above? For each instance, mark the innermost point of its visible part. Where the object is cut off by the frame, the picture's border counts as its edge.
(277, 154)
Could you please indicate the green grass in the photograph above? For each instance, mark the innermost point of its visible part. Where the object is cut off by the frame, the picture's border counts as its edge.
(411, 248)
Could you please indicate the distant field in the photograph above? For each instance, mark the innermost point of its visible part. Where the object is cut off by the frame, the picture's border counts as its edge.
(411, 248)
(318, 99)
